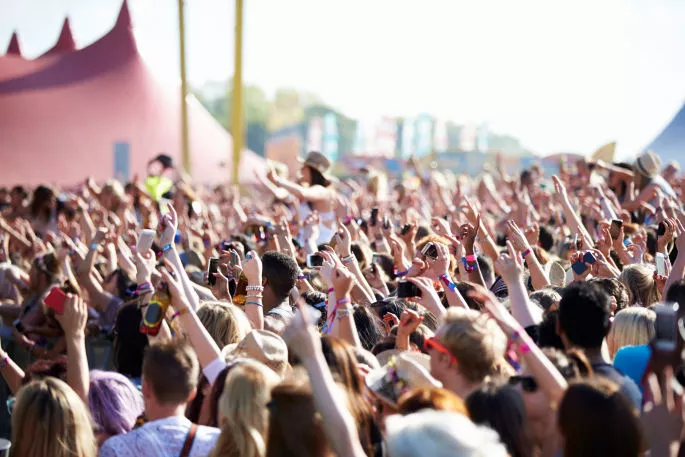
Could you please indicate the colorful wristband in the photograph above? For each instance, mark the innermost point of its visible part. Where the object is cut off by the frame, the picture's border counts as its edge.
(179, 313)
(525, 253)
(166, 247)
(343, 301)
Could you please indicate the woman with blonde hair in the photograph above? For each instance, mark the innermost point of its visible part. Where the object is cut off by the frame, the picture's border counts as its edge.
(49, 419)
(243, 414)
(226, 323)
(642, 288)
(632, 326)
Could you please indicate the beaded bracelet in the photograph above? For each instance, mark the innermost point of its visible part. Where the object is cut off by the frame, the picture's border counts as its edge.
(255, 288)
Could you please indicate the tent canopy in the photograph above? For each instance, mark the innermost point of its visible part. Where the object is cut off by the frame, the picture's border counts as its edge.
(670, 143)
(63, 115)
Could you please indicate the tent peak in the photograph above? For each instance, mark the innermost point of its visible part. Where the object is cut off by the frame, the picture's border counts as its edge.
(124, 18)
(14, 48)
(65, 42)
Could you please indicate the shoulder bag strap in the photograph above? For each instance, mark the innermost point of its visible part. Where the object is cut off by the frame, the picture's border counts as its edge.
(185, 452)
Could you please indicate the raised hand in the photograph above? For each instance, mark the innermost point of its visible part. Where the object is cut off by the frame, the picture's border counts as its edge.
(343, 281)
(145, 265)
(252, 267)
(516, 236)
(510, 266)
(168, 225)
(73, 319)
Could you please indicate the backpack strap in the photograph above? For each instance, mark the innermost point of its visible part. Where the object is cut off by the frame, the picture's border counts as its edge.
(185, 452)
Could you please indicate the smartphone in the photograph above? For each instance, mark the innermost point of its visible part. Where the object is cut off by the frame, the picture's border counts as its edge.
(661, 263)
(666, 326)
(164, 206)
(386, 223)
(55, 300)
(211, 270)
(405, 229)
(589, 258)
(406, 289)
(314, 260)
(429, 250)
(145, 240)
(661, 230)
(374, 217)
(579, 267)
(234, 259)
(376, 259)
(615, 228)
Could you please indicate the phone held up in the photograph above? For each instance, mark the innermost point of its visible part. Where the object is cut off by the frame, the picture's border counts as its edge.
(615, 228)
(314, 260)
(430, 250)
(406, 289)
(212, 269)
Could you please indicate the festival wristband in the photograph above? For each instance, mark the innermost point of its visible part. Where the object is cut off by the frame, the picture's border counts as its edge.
(167, 247)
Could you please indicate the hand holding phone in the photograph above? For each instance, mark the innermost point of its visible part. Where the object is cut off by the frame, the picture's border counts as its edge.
(406, 289)
(615, 229)
(429, 250)
(314, 260)
(374, 216)
(212, 270)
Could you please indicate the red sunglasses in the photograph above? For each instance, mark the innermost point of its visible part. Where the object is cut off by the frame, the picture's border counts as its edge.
(433, 343)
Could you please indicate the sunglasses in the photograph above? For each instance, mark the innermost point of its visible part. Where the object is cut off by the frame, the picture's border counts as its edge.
(433, 343)
(528, 383)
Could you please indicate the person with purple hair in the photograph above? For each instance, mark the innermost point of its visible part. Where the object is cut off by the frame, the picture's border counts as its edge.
(114, 402)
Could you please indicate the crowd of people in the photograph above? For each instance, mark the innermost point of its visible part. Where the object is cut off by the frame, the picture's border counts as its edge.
(428, 314)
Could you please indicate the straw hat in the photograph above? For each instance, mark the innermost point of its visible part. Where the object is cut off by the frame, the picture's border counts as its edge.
(405, 371)
(556, 273)
(261, 345)
(319, 162)
(648, 164)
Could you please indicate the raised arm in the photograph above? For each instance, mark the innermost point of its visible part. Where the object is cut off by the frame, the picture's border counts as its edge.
(510, 266)
(545, 373)
(73, 322)
(572, 217)
(205, 347)
(337, 420)
(520, 243)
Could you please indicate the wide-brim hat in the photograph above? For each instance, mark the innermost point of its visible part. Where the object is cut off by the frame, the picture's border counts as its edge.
(648, 164)
(317, 161)
(556, 273)
(402, 373)
(263, 346)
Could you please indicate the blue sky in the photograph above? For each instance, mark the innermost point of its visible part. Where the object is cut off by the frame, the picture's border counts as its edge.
(561, 76)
